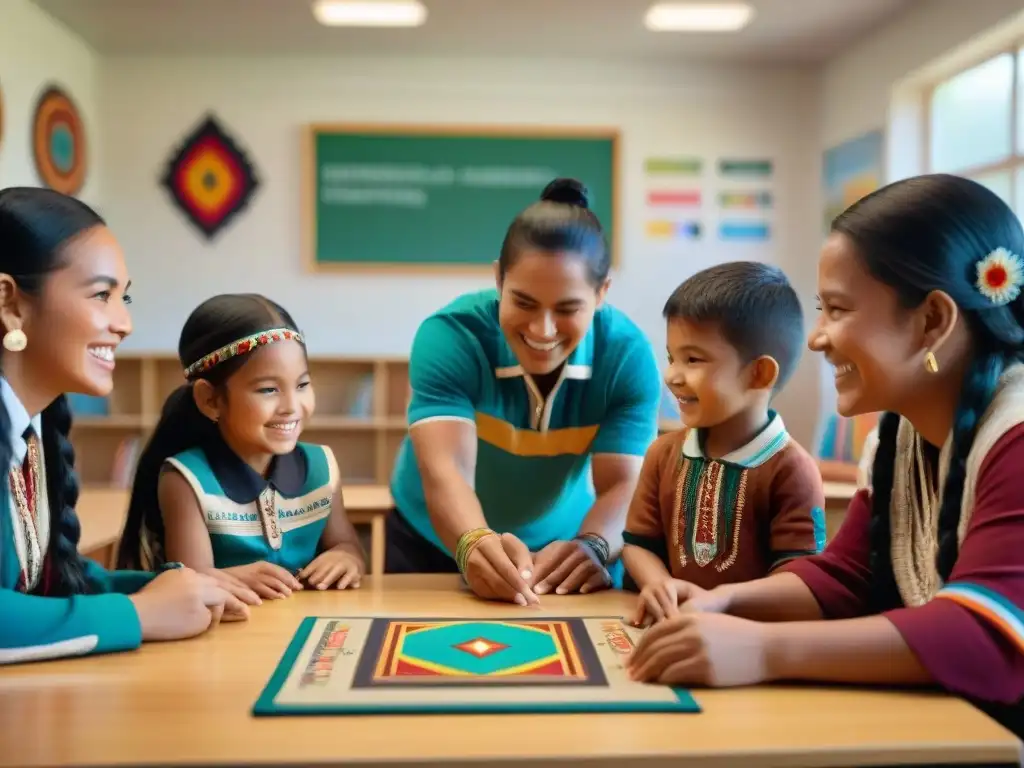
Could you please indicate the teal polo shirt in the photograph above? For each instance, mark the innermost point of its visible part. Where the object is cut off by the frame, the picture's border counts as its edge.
(533, 470)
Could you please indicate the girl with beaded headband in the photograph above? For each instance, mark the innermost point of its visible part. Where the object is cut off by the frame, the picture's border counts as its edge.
(224, 485)
(63, 286)
(922, 316)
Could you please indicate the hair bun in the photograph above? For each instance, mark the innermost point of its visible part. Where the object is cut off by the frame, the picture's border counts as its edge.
(568, 191)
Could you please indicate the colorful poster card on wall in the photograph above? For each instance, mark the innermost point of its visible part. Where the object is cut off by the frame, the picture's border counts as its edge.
(673, 230)
(677, 197)
(747, 168)
(680, 166)
(852, 170)
(745, 200)
(744, 230)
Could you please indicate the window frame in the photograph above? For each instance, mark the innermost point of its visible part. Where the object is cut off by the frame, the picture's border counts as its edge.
(1014, 164)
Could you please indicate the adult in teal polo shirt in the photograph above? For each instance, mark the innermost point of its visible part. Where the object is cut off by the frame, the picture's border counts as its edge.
(532, 406)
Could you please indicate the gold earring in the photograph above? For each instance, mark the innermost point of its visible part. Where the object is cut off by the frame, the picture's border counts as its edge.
(15, 341)
(930, 363)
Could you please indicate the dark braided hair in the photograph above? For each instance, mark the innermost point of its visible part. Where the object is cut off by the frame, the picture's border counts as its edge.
(920, 235)
(216, 322)
(561, 221)
(34, 225)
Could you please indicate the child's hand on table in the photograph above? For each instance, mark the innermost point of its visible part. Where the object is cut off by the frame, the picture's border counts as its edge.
(267, 580)
(335, 566)
(669, 597)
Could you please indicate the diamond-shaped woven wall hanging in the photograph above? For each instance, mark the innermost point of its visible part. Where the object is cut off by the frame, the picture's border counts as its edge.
(210, 177)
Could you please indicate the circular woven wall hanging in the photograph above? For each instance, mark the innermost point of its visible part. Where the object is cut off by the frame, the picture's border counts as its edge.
(58, 142)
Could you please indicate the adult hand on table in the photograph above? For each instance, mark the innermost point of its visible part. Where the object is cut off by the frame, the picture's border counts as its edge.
(265, 579)
(569, 566)
(697, 648)
(499, 568)
(181, 603)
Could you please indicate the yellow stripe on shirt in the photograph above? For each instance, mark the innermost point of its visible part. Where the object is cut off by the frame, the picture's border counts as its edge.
(529, 442)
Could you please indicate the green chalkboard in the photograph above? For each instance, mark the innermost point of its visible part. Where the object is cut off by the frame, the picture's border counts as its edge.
(437, 197)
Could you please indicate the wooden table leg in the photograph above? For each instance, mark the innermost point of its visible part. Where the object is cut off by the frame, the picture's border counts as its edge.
(377, 545)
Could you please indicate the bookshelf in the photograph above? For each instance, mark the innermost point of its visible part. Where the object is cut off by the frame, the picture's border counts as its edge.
(360, 414)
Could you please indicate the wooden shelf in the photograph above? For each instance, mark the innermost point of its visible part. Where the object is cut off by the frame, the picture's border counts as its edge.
(360, 414)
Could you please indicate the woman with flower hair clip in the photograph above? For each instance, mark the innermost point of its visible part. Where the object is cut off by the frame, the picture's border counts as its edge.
(224, 485)
(922, 316)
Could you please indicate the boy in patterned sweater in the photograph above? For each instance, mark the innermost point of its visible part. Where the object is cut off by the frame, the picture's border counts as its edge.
(731, 496)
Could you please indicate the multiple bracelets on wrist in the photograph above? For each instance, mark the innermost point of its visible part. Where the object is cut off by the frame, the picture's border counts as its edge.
(597, 545)
(467, 543)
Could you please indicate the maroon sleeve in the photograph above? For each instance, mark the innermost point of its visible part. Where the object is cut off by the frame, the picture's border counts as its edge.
(839, 577)
(971, 636)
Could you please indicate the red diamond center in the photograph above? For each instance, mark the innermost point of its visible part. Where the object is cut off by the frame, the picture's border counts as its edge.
(480, 647)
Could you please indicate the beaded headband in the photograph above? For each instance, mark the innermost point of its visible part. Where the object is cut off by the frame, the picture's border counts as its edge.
(241, 347)
(1000, 277)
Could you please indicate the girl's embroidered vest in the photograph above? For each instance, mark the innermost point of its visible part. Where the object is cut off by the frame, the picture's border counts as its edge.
(277, 529)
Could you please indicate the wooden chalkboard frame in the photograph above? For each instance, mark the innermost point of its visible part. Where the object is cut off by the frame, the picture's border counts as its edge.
(309, 186)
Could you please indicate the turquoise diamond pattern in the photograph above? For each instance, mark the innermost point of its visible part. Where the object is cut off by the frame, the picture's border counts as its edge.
(440, 646)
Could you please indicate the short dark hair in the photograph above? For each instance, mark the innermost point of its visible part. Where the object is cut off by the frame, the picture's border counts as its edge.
(754, 306)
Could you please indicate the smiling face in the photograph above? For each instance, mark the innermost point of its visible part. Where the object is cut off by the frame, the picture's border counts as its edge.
(706, 375)
(79, 317)
(873, 343)
(266, 403)
(547, 305)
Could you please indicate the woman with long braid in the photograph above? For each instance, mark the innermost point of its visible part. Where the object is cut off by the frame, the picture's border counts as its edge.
(62, 315)
(922, 316)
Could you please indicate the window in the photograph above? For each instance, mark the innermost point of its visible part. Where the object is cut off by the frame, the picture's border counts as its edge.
(976, 126)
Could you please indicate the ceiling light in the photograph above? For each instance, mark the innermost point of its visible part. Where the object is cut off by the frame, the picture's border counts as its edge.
(370, 13)
(698, 17)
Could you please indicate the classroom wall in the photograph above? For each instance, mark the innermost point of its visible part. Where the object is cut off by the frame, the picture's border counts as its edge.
(857, 85)
(149, 104)
(36, 50)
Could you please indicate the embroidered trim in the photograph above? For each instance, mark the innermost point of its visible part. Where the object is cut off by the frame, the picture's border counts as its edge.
(241, 347)
(32, 566)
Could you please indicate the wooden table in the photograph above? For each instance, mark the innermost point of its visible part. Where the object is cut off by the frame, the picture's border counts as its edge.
(102, 511)
(189, 703)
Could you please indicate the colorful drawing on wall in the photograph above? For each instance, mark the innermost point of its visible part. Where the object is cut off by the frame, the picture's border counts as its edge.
(674, 197)
(746, 168)
(58, 142)
(210, 178)
(678, 166)
(745, 200)
(660, 229)
(744, 230)
(851, 171)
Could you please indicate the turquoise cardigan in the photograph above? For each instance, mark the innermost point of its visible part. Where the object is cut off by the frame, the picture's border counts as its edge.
(36, 628)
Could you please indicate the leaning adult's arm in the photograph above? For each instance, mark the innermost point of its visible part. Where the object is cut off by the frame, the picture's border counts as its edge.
(623, 437)
(444, 375)
(37, 628)
(969, 638)
(833, 585)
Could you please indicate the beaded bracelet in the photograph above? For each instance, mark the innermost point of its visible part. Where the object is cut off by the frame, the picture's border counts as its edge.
(467, 543)
(597, 544)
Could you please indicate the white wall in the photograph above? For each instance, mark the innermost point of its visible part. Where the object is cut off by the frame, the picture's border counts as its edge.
(149, 104)
(857, 86)
(36, 50)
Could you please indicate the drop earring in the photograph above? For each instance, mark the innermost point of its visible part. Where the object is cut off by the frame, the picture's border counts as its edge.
(15, 341)
(930, 363)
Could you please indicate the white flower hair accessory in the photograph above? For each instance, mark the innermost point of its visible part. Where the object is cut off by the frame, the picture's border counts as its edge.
(1000, 276)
